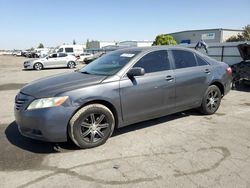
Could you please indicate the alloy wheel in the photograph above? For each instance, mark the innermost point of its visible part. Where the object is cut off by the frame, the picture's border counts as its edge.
(71, 65)
(38, 66)
(212, 100)
(94, 127)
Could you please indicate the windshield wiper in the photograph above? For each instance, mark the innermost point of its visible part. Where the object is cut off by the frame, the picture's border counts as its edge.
(85, 72)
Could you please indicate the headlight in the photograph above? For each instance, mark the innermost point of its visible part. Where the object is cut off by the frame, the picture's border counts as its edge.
(47, 102)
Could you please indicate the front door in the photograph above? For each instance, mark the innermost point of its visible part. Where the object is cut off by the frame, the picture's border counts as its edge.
(52, 61)
(150, 95)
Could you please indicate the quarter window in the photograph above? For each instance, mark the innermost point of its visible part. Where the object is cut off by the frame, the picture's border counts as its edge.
(154, 61)
(184, 59)
(60, 50)
(201, 62)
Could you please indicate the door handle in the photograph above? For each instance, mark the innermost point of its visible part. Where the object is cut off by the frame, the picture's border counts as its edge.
(169, 78)
(207, 71)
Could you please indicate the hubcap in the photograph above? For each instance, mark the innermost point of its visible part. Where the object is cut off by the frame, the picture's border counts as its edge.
(94, 127)
(38, 66)
(71, 65)
(212, 100)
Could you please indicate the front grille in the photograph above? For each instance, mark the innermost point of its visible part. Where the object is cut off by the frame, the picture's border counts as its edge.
(22, 101)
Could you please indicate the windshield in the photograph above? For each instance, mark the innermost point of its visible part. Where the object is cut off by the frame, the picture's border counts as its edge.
(109, 64)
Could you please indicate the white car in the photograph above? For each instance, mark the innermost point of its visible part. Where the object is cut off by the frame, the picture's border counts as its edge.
(84, 55)
(52, 61)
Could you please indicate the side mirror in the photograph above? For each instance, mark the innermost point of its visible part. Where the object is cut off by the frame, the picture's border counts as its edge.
(135, 71)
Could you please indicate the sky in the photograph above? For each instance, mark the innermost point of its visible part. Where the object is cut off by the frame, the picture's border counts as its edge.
(26, 23)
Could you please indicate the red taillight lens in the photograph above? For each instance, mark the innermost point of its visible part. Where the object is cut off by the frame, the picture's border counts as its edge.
(229, 71)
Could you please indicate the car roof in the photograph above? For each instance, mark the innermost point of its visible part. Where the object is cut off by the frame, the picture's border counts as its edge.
(152, 48)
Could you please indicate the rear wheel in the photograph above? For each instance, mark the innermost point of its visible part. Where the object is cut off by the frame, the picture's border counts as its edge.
(38, 66)
(71, 64)
(91, 126)
(211, 100)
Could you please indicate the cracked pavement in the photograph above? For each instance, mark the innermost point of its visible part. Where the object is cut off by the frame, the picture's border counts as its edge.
(186, 149)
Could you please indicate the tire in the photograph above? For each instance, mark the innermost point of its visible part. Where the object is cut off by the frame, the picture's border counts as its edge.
(38, 66)
(71, 64)
(211, 100)
(91, 126)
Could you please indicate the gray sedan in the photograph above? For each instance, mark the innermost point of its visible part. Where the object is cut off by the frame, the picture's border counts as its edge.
(55, 60)
(118, 89)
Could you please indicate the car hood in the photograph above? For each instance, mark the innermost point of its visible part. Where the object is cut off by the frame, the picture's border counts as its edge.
(54, 85)
(244, 50)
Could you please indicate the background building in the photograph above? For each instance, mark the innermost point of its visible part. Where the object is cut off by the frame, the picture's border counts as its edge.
(208, 35)
(99, 44)
(135, 43)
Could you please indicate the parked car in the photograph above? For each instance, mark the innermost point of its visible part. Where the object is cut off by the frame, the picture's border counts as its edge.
(17, 53)
(83, 56)
(52, 61)
(88, 60)
(120, 88)
(241, 70)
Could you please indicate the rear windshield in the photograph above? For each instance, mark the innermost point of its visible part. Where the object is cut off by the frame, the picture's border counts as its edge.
(110, 63)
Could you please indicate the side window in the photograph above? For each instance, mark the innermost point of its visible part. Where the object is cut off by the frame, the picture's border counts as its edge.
(69, 50)
(53, 56)
(154, 61)
(62, 55)
(201, 61)
(184, 59)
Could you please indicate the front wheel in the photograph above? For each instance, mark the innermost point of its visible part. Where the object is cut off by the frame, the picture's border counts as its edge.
(91, 126)
(38, 66)
(211, 100)
(71, 64)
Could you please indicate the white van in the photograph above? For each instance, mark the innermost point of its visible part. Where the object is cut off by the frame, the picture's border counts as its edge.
(71, 49)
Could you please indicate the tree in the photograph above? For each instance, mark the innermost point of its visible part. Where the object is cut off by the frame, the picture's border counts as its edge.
(87, 44)
(74, 42)
(30, 49)
(246, 32)
(40, 45)
(245, 36)
(164, 40)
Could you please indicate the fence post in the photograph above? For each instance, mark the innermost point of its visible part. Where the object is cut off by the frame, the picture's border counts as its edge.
(222, 53)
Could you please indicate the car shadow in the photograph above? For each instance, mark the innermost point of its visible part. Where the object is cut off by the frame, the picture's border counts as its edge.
(15, 138)
(155, 122)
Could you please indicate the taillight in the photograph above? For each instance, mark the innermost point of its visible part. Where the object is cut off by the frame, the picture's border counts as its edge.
(229, 71)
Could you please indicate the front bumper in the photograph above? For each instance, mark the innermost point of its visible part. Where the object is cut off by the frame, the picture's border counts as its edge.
(27, 66)
(48, 124)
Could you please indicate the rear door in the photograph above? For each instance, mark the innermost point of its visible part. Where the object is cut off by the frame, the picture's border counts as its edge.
(152, 94)
(192, 75)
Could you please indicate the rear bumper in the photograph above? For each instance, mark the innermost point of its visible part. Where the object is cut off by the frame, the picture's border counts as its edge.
(49, 124)
(227, 85)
